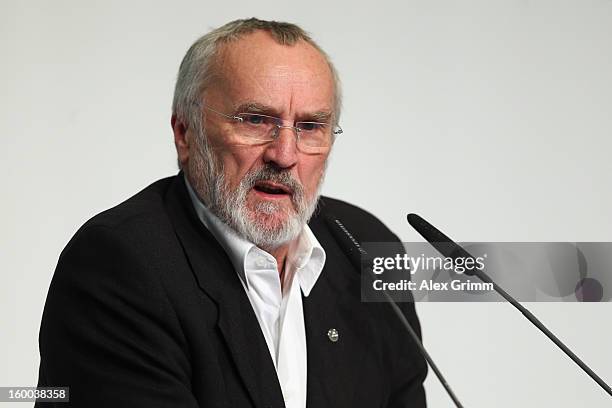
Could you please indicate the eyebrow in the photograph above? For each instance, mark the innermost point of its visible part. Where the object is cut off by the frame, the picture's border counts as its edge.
(254, 107)
(323, 116)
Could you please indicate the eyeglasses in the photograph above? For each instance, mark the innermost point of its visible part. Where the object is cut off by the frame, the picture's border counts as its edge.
(256, 128)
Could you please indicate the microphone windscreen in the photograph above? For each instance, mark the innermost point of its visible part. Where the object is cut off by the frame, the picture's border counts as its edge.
(438, 240)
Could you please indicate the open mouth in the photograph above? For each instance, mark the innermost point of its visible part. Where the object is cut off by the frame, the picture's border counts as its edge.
(272, 189)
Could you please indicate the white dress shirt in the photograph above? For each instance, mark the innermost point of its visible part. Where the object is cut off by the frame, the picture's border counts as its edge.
(278, 311)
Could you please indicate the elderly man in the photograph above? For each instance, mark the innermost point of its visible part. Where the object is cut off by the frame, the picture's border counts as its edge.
(218, 287)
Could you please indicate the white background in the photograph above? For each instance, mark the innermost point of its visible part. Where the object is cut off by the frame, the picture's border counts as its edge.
(492, 119)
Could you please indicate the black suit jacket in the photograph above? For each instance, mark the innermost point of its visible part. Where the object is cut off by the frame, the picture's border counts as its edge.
(145, 310)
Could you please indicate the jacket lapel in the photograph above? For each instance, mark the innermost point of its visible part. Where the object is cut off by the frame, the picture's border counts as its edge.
(330, 364)
(216, 277)
(334, 304)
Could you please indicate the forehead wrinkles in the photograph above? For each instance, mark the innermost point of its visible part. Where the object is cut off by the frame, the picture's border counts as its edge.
(243, 67)
(233, 74)
(285, 75)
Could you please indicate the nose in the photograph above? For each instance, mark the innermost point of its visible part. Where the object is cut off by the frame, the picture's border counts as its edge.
(283, 150)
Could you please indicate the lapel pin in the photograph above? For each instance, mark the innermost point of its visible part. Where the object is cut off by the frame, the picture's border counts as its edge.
(333, 335)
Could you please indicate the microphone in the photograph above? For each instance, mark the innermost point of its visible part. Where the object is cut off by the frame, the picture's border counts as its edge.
(355, 251)
(450, 249)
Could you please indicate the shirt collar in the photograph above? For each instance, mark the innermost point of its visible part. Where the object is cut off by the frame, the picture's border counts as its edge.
(306, 256)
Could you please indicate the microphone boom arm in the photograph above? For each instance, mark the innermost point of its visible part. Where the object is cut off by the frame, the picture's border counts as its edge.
(449, 248)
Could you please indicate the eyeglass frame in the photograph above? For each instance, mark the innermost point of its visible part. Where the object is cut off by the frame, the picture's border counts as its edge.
(278, 123)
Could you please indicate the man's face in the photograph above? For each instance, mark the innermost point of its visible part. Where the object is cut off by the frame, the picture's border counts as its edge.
(277, 182)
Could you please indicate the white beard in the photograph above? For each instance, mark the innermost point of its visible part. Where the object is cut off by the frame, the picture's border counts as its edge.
(262, 225)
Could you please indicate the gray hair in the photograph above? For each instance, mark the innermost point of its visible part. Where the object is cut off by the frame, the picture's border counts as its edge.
(195, 72)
